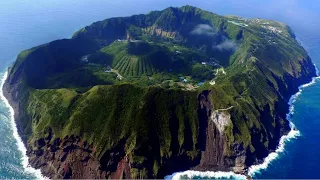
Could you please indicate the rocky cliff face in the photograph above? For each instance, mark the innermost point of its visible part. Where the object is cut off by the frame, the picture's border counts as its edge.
(213, 146)
(72, 158)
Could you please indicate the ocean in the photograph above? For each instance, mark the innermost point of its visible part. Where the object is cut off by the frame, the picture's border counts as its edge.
(27, 23)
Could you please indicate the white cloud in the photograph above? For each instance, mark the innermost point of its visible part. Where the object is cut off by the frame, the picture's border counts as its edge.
(203, 29)
(226, 45)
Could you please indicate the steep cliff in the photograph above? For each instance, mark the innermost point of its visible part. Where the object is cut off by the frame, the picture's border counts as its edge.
(148, 95)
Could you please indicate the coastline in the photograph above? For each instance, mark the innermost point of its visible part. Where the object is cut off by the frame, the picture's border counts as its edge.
(293, 134)
(19, 142)
(255, 169)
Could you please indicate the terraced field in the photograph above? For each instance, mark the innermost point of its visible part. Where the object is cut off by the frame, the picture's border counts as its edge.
(131, 66)
(135, 65)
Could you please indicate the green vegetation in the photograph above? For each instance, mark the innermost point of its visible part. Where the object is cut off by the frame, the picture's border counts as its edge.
(135, 80)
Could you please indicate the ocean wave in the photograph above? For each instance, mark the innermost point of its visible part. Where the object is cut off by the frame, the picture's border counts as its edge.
(256, 169)
(21, 147)
(207, 174)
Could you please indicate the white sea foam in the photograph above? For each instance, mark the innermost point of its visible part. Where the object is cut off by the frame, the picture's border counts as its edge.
(256, 169)
(21, 147)
(207, 174)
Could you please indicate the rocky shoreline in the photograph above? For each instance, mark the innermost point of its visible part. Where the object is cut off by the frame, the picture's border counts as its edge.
(14, 103)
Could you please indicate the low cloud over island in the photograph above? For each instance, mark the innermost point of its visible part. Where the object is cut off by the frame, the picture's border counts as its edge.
(226, 45)
(203, 29)
(207, 30)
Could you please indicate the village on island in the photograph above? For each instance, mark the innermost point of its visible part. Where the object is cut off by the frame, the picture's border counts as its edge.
(185, 81)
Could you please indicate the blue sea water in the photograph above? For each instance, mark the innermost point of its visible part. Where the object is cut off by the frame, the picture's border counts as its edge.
(27, 23)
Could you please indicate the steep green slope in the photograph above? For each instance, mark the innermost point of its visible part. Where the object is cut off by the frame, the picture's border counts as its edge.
(148, 95)
(118, 114)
